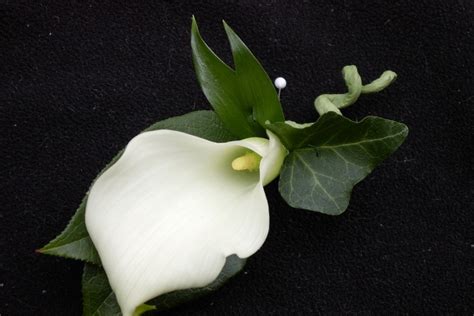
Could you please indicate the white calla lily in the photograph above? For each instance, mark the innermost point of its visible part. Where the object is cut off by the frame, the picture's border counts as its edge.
(166, 215)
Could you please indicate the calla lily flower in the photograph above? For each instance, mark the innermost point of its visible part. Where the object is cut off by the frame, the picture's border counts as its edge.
(166, 215)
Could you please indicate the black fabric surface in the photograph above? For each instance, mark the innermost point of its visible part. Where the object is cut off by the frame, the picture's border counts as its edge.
(78, 79)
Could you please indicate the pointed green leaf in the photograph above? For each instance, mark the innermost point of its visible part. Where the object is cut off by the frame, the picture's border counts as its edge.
(99, 298)
(255, 87)
(331, 156)
(245, 98)
(74, 241)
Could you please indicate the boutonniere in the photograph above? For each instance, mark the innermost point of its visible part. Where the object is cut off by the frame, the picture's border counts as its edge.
(178, 211)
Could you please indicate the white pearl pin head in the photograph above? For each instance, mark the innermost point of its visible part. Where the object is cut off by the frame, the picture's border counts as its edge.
(280, 83)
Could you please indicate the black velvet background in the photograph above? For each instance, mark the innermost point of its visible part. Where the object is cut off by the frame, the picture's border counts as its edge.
(78, 79)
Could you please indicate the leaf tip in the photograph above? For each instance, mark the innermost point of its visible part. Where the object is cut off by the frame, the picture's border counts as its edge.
(194, 26)
(225, 24)
(405, 131)
(229, 31)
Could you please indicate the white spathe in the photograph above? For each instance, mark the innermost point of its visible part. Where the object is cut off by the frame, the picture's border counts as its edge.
(166, 215)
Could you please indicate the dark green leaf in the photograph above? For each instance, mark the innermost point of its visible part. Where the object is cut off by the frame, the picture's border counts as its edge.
(327, 126)
(233, 265)
(338, 154)
(204, 124)
(245, 98)
(99, 298)
(331, 129)
(74, 241)
(255, 87)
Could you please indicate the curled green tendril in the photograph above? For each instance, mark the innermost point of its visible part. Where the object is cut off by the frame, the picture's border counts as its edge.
(333, 102)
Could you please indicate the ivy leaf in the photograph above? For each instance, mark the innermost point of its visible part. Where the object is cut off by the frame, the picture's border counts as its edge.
(74, 241)
(99, 299)
(331, 156)
(243, 98)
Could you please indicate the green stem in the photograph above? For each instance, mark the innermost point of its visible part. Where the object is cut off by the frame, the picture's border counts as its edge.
(333, 102)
